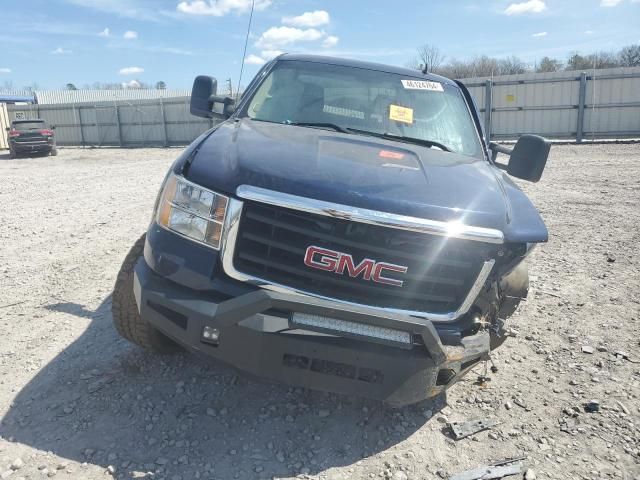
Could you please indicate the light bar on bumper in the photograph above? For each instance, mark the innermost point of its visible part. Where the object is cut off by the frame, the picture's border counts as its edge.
(192, 211)
(361, 330)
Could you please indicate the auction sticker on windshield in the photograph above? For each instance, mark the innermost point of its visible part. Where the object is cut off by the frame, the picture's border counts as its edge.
(422, 85)
(401, 114)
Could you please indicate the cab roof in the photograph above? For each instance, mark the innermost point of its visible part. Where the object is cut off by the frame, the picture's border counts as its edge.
(346, 62)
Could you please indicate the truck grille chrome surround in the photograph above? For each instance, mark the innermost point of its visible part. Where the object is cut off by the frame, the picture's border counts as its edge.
(361, 215)
(262, 205)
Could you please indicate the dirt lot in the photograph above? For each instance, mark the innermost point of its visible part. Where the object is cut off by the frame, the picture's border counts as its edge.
(76, 401)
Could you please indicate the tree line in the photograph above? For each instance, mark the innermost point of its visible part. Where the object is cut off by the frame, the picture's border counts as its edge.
(134, 84)
(429, 58)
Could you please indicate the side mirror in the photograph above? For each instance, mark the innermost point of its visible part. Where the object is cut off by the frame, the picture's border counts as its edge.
(53, 127)
(204, 88)
(527, 159)
(204, 98)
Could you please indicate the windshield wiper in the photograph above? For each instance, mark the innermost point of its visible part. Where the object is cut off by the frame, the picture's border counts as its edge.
(400, 138)
(333, 126)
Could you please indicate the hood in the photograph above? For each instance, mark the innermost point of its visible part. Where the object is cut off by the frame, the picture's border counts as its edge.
(364, 172)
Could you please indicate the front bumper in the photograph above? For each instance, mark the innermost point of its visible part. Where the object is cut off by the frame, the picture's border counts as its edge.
(255, 335)
(29, 147)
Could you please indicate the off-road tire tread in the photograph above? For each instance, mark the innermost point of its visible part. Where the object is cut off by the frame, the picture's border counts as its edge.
(124, 309)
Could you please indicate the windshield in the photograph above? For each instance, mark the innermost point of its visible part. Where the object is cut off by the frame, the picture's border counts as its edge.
(366, 100)
(34, 125)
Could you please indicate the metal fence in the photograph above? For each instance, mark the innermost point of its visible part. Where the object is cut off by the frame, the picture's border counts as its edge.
(559, 105)
(90, 96)
(160, 122)
(591, 105)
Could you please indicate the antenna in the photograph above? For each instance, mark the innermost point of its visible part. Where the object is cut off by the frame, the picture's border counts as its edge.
(244, 54)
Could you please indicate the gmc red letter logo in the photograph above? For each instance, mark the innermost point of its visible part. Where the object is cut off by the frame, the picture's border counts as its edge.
(338, 262)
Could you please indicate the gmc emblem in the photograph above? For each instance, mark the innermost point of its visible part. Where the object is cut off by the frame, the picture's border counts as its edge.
(338, 262)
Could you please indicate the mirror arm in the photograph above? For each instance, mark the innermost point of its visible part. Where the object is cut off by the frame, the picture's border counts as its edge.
(224, 100)
(495, 149)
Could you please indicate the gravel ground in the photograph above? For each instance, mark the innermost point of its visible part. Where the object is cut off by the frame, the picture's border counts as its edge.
(76, 401)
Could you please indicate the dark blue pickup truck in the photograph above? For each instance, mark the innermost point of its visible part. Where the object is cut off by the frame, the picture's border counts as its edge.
(346, 228)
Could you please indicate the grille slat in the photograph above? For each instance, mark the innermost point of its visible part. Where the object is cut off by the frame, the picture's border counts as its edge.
(340, 280)
(301, 251)
(272, 242)
(347, 243)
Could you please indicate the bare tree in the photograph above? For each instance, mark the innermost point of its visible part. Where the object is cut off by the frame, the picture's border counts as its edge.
(484, 66)
(428, 58)
(511, 65)
(604, 60)
(595, 60)
(431, 59)
(630, 56)
(549, 65)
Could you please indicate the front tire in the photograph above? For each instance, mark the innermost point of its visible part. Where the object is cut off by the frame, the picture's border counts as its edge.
(124, 309)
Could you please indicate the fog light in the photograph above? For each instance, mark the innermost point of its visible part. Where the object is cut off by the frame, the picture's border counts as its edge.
(210, 335)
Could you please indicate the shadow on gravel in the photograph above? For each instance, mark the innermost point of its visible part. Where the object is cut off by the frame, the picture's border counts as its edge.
(107, 402)
(4, 155)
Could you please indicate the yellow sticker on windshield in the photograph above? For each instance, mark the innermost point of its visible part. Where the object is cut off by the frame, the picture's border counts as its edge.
(401, 114)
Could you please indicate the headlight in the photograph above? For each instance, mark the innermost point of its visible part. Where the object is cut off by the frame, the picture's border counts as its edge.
(192, 211)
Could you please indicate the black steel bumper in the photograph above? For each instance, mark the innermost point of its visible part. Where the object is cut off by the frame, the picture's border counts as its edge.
(255, 336)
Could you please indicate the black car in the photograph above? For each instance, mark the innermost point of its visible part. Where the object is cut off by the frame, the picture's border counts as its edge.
(346, 228)
(31, 136)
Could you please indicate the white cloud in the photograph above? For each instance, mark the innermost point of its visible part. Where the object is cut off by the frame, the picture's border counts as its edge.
(5, 70)
(254, 60)
(132, 84)
(138, 9)
(330, 42)
(130, 35)
(278, 37)
(308, 19)
(588, 32)
(60, 51)
(131, 70)
(539, 34)
(270, 54)
(609, 3)
(105, 33)
(219, 8)
(532, 6)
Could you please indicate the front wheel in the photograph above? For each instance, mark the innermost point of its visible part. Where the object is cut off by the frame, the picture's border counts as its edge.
(124, 309)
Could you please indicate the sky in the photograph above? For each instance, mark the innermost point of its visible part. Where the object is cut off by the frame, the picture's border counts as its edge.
(49, 43)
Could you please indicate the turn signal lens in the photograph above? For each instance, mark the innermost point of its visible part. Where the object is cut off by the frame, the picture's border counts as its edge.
(220, 208)
(192, 211)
